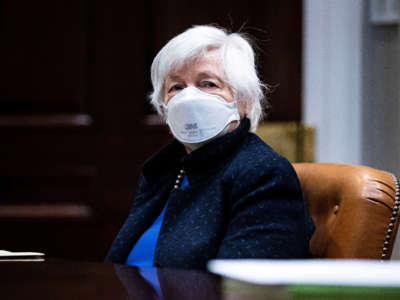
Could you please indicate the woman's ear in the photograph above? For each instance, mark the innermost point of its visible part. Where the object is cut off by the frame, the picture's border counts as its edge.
(244, 108)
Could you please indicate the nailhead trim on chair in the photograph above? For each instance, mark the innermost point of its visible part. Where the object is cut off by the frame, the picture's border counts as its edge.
(392, 219)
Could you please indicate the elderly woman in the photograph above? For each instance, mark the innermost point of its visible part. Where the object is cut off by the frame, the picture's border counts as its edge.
(217, 191)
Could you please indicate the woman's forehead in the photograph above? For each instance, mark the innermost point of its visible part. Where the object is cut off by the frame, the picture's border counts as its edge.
(207, 64)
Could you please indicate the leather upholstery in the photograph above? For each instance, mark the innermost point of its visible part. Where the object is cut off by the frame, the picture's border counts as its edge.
(353, 208)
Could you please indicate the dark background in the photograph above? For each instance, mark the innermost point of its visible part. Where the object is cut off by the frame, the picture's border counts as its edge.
(75, 126)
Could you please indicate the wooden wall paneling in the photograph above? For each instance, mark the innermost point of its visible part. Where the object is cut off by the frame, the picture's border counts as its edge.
(43, 57)
(119, 76)
(47, 137)
(280, 55)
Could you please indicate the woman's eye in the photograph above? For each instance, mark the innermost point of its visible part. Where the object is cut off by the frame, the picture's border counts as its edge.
(176, 87)
(208, 84)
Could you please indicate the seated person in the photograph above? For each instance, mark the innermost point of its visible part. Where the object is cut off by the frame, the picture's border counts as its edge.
(217, 191)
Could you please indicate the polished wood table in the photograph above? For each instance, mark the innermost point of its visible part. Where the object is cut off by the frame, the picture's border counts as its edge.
(60, 279)
(55, 279)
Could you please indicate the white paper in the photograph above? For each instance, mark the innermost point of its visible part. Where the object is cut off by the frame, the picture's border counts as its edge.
(4, 253)
(310, 271)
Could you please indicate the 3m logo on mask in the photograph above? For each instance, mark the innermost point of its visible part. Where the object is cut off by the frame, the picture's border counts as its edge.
(190, 126)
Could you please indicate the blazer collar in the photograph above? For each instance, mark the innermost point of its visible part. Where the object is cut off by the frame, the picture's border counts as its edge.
(207, 158)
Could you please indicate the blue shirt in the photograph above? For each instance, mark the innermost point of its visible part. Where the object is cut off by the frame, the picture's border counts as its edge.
(142, 254)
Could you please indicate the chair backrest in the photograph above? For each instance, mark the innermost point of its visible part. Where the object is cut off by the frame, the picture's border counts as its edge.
(354, 208)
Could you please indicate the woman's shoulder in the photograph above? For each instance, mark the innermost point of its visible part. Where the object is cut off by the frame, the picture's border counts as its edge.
(257, 167)
(255, 155)
(256, 164)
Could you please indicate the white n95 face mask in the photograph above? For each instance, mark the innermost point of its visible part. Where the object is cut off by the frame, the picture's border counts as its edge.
(195, 117)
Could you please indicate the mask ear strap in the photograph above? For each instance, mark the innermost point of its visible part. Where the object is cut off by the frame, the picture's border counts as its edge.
(163, 108)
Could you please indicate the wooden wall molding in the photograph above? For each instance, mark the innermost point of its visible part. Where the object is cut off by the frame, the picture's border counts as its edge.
(46, 211)
(46, 121)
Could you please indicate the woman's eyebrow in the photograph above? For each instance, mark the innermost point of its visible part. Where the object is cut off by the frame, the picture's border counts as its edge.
(209, 74)
(173, 77)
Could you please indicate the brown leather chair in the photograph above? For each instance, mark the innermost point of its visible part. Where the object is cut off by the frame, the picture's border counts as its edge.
(354, 208)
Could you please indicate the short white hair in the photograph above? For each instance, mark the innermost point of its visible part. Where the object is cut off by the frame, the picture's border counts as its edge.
(237, 62)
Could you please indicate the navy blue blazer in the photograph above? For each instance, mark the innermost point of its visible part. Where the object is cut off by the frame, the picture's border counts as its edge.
(243, 201)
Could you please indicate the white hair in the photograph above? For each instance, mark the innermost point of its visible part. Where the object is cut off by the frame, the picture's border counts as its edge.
(236, 58)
